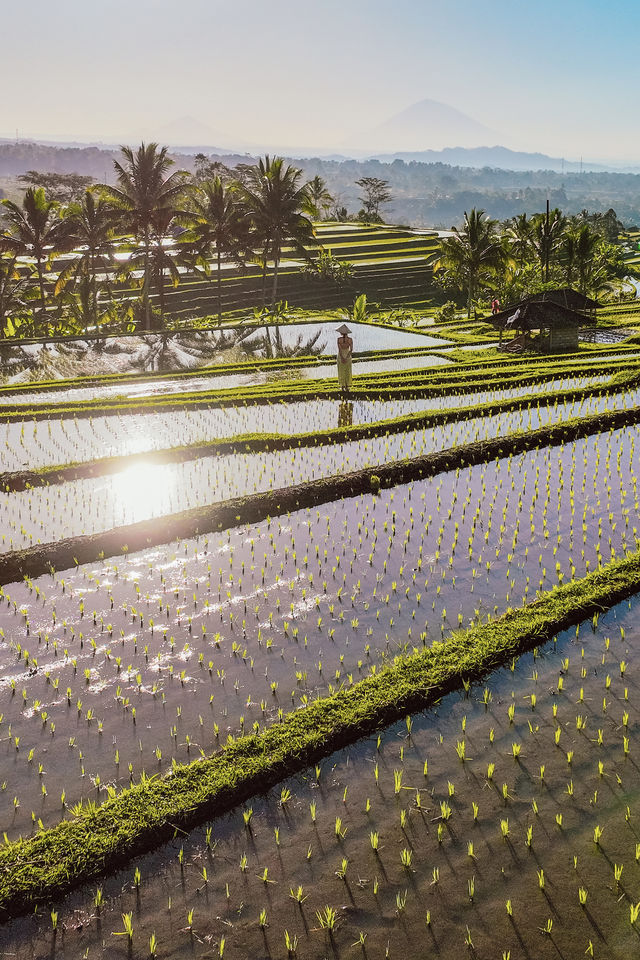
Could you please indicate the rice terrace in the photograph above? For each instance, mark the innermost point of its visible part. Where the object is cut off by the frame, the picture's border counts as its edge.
(319, 557)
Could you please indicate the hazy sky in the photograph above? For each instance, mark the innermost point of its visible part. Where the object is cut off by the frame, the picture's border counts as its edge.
(559, 76)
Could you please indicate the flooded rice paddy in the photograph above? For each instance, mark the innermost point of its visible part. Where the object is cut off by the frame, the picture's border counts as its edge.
(40, 443)
(144, 491)
(116, 667)
(502, 823)
(226, 381)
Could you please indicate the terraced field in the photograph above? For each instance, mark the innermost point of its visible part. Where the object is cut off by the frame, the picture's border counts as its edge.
(284, 674)
(392, 265)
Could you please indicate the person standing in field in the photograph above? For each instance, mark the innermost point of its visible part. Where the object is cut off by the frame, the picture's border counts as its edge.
(495, 306)
(345, 354)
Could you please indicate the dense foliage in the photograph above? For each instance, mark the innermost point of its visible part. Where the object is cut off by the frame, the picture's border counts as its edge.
(530, 254)
(151, 226)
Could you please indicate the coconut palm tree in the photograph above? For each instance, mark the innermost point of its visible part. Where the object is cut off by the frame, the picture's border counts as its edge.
(34, 230)
(319, 196)
(216, 227)
(547, 232)
(14, 296)
(160, 260)
(582, 244)
(276, 202)
(146, 194)
(90, 224)
(473, 253)
(519, 236)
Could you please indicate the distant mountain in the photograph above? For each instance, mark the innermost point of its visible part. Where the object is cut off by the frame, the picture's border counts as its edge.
(497, 157)
(190, 134)
(427, 125)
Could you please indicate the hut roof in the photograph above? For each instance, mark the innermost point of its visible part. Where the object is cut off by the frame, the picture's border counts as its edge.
(536, 314)
(567, 297)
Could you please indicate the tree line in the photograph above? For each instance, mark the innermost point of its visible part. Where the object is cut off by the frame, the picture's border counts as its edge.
(148, 228)
(528, 254)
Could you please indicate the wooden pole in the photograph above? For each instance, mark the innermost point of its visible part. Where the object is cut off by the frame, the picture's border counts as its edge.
(546, 267)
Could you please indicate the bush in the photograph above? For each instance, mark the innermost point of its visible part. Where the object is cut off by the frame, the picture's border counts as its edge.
(447, 311)
(328, 268)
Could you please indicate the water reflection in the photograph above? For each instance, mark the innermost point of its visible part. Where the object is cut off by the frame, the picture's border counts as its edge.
(345, 414)
(144, 490)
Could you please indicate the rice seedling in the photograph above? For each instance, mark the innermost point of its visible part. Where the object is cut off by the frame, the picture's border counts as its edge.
(327, 918)
(127, 923)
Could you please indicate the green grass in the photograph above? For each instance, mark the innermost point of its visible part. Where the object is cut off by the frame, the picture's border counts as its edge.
(421, 382)
(44, 867)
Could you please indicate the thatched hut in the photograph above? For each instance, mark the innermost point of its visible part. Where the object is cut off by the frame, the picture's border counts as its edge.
(566, 297)
(541, 324)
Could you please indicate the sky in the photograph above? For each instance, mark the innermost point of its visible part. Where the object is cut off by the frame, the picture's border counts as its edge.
(555, 76)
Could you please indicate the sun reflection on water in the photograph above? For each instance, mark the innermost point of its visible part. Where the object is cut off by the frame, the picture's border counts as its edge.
(144, 490)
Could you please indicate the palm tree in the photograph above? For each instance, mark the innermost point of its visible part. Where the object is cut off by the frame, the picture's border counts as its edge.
(160, 258)
(146, 195)
(320, 197)
(546, 237)
(519, 235)
(35, 230)
(90, 226)
(584, 243)
(14, 294)
(472, 253)
(276, 202)
(216, 226)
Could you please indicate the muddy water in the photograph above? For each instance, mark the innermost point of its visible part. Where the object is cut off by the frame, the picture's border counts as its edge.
(35, 444)
(206, 637)
(513, 850)
(90, 505)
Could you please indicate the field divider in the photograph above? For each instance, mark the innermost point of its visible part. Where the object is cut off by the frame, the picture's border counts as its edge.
(46, 558)
(42, 868)
(263, 364)
(411, 384)
(17, 480)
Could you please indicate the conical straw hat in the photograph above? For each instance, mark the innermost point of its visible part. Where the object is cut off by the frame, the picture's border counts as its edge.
(344, 330)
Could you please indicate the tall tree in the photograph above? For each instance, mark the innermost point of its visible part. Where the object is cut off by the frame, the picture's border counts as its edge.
(208, 169)
(276, 202)
(519, 235)
(319, 196)
(473, 253)
(376, 192)
(36, 230)
(547, 231)
(63, 187)
(146, 193)
(89, 231)
(163, 258)
(585, 243)
(216, 227)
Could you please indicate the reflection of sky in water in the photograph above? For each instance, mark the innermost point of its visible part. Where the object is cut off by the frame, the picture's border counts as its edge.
(88, 505)
(219, 379)
(70, 440)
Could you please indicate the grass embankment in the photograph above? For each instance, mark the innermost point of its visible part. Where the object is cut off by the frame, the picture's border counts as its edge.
(42, 868)
(264, 442)
(403, 384)
(279, 363)
(63, 554)
(228, 368)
